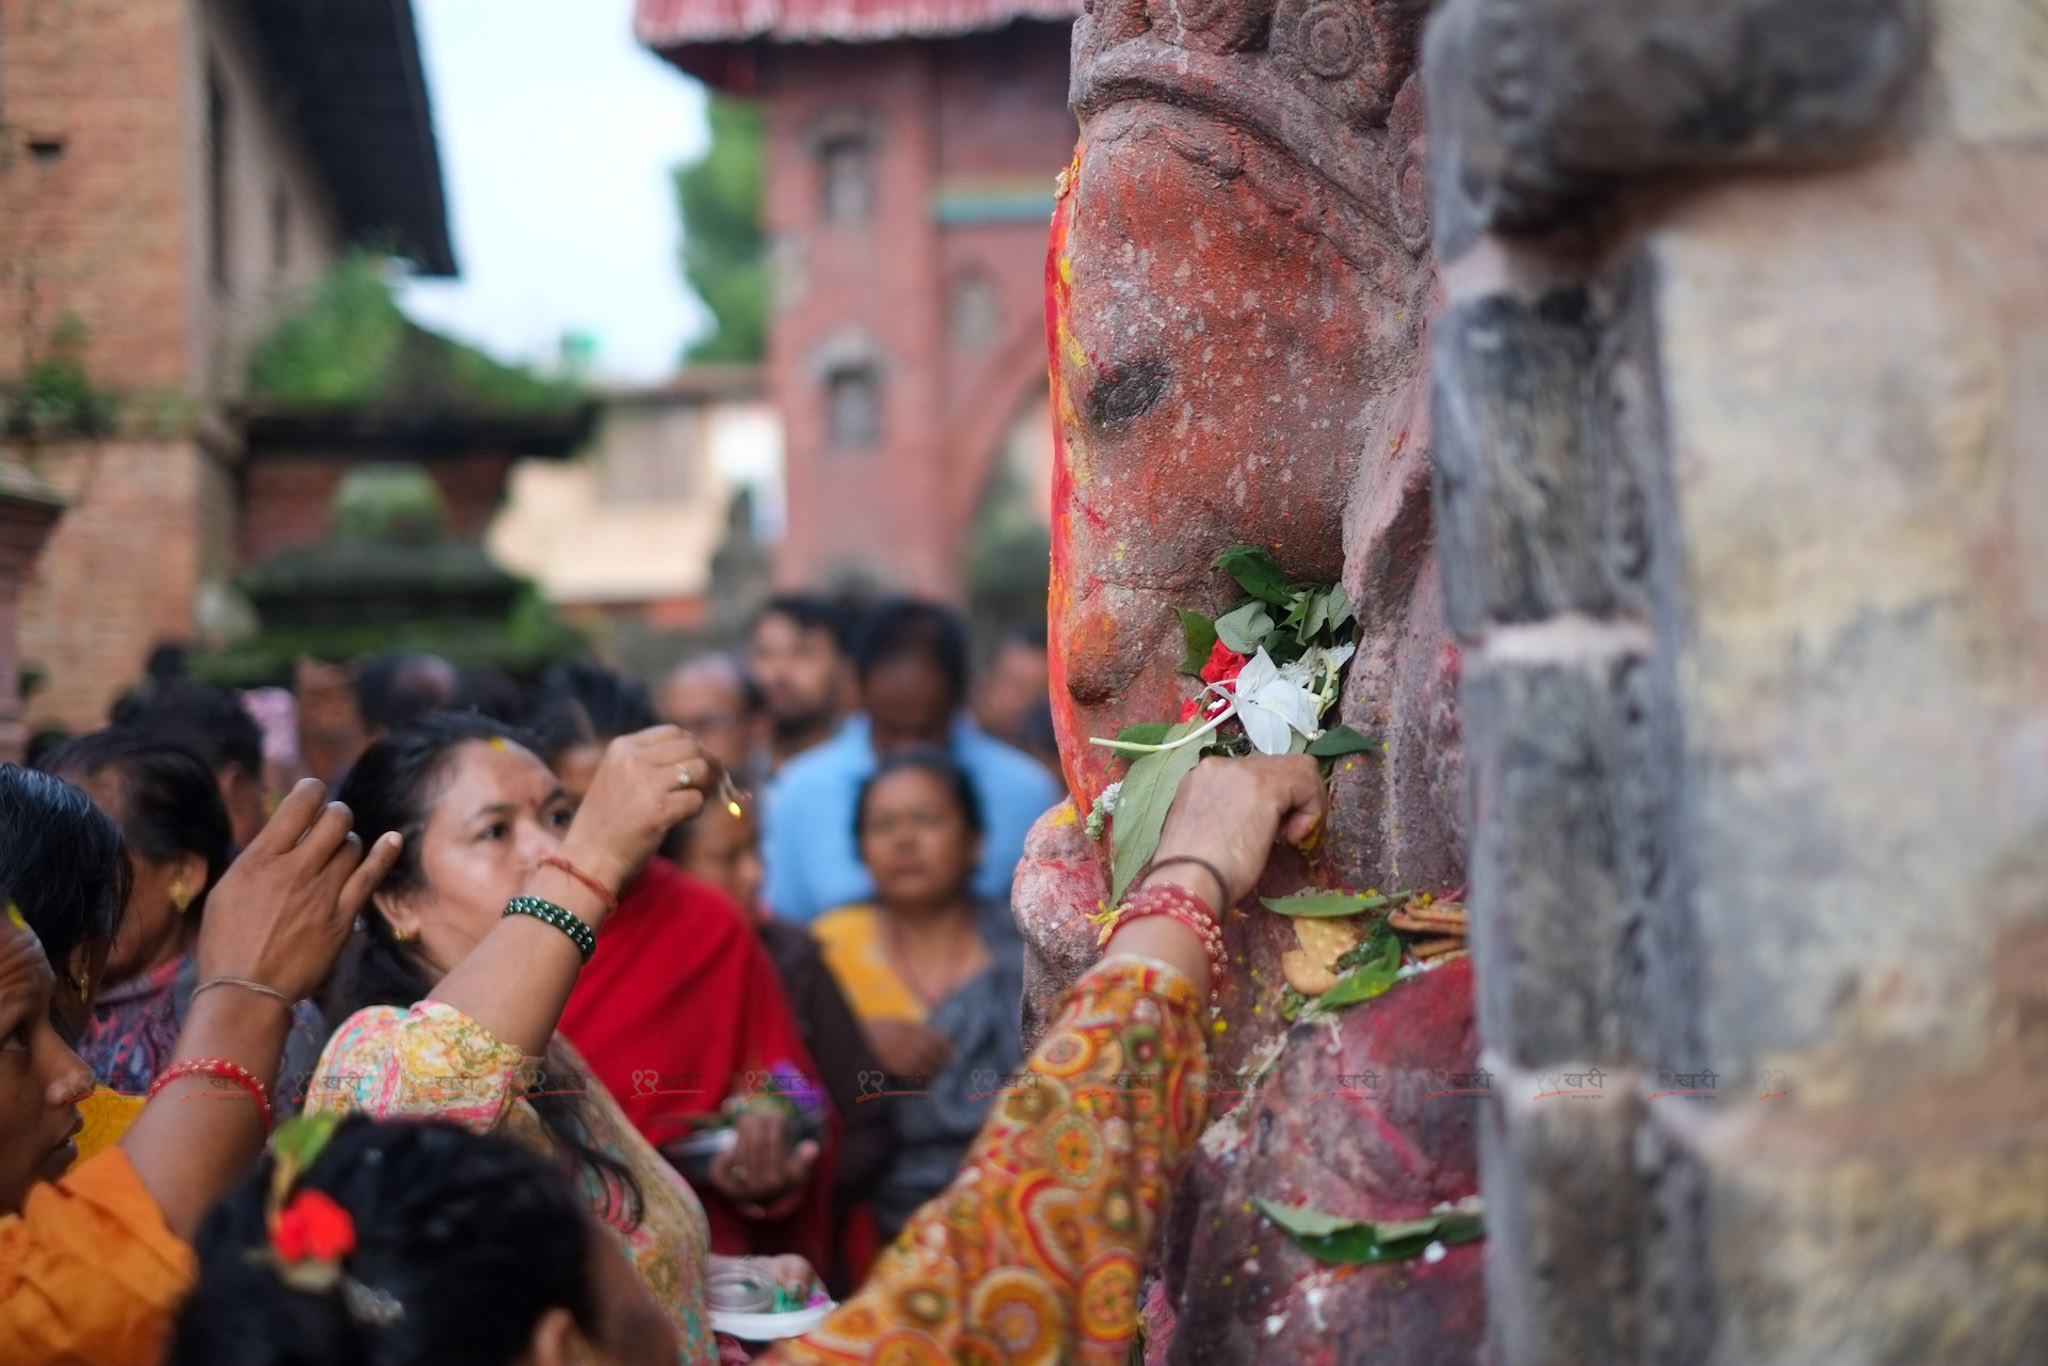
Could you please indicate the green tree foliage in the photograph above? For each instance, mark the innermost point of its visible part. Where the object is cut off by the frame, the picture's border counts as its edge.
(55, 397)
(725, 252)
(349, 346)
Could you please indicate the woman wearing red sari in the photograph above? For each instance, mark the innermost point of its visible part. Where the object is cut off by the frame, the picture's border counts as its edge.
(680, 1013)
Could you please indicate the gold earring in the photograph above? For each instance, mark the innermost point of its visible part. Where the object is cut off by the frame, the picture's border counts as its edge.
(399, 936)
(181, 900)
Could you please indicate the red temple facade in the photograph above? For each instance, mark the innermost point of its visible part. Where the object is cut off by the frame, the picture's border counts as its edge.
(912, 155)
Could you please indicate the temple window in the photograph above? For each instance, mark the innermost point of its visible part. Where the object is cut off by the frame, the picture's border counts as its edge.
(853, 407)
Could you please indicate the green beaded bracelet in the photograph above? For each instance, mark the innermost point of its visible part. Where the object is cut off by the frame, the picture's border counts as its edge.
(579, 933)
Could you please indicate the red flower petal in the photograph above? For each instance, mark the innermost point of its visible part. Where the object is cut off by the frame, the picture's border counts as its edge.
(313, 1227)
(1224, 664)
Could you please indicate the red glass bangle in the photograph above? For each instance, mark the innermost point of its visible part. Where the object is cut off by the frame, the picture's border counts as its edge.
(223, 1069)
(597, 889)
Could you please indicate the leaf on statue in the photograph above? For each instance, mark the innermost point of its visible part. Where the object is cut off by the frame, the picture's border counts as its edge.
(1338, 741)
(1258, 573)
(1244, 628)
(1200, 633)
(1329, 1238)
(1339, 608)
(1315, 615)
(1305, 1222)
(1144, 733)
(1363, 984)
(1142, 805)
(1325, 905)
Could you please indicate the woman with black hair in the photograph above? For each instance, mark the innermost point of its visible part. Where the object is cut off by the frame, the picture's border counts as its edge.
(176, 828)
(92, 1250)
(471, 947)
(413, 1245)
(935, 990)
(63, 860)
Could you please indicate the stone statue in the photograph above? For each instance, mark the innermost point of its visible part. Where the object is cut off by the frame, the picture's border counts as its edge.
(1238, 287)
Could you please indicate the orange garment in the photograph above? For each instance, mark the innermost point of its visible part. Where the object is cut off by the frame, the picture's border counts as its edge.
(1033, 1256)
(107, 1115)
(89, 1272)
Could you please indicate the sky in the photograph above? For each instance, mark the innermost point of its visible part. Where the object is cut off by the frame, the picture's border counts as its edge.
(557, 134)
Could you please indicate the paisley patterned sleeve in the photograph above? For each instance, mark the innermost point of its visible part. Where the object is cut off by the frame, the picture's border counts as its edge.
(1035, 1252)
(429, 1062)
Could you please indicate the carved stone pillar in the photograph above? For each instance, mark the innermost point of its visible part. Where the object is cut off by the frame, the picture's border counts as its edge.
(1743, 506)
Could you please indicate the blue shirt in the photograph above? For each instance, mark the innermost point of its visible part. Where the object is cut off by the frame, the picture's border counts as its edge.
(807, 838)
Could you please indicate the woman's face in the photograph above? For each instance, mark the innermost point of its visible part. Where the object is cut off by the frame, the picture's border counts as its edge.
(724, 850)
(497, 813)
(153, 930)
(41, 1079)
(630, 1329)
(915, 841)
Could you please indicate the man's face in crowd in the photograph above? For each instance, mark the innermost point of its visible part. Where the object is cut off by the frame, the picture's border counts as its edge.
(800, 670)
(910, 699)
(711, 704)
(1015, 686)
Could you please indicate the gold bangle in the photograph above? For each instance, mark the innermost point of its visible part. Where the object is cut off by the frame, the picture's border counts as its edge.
(246, 985)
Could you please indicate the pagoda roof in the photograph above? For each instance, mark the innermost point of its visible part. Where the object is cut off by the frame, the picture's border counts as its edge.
(666, 25)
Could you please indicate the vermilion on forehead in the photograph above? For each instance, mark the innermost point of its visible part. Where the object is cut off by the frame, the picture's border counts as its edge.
(479, 775)
(20, 950)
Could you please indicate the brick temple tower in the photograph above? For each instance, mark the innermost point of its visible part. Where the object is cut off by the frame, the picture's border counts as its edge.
(912, 153)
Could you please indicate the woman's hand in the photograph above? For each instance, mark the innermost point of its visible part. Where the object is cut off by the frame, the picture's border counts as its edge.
(1229, 812)
(283, 910)
(789, 1271)
(638, 794)
(761, 1167)
(908, 1050)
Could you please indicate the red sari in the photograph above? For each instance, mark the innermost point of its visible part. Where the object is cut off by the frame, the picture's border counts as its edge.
(680, 1008)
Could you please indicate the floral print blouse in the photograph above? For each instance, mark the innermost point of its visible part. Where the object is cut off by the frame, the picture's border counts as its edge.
(1034, 1254)
(434, 1062)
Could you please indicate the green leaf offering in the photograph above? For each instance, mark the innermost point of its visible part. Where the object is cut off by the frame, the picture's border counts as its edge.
(1144, 733)
(1200, 634)
(1338, 741)
(1142, 804)
(1358, 1242)
(1362, 984)
(1317, 905)
(1258, 573)
(1245, 628)
(1339, 605)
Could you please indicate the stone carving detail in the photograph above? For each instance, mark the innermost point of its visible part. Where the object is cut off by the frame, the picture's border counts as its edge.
(1239, 282)
(1552, 105)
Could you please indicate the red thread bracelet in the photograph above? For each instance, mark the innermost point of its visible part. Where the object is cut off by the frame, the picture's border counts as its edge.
(597, 889)
(223, 1069)
(1178, 903)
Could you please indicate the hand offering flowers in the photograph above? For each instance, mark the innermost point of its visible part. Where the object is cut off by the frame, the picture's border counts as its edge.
(1271, 669)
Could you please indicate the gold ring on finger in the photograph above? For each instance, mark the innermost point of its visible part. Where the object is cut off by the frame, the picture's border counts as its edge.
(683, 778)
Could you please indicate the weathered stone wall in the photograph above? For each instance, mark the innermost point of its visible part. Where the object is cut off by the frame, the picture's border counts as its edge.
(1743, 500)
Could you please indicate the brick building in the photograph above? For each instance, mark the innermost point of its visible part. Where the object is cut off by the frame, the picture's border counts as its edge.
(912, 152)
(172, 174)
